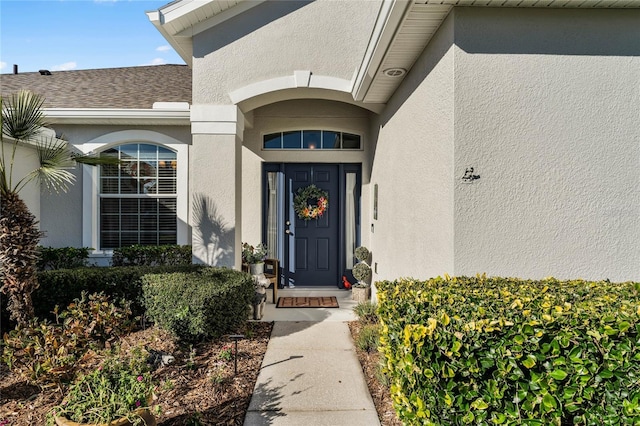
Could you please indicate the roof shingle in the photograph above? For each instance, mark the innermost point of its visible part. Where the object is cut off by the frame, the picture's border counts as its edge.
(126, 88)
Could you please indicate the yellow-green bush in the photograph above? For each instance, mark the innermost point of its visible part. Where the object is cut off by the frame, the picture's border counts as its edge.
(507, 351)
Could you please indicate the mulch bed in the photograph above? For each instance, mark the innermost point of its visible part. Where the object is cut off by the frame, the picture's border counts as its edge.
(379, 392)
(199, 388)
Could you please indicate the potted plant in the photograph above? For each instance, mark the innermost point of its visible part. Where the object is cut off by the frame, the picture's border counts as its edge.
(254, 257)
(361, 291)
(117, 393)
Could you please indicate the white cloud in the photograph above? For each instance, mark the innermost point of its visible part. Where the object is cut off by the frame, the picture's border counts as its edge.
(156, 61)
(2, 65)
(64, 67)
(164, 48)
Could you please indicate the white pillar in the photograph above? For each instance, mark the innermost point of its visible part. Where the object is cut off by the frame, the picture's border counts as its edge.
(215, 190)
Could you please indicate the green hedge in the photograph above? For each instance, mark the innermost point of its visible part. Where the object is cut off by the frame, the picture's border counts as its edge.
(507, 351)
(198, 305)
(138, 255)
(62, 257)
(61, 287)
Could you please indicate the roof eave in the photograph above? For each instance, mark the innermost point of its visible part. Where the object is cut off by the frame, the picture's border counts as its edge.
(388, 26)
(389, 19)
(184, 48)
(166, 117)
(179, 21)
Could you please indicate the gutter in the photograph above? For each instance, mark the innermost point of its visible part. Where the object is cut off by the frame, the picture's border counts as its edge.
(169, 116)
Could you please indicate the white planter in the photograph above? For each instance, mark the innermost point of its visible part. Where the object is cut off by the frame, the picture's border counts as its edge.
(256, 268)
(361, 294)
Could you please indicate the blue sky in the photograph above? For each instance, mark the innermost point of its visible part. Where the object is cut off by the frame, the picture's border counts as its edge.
(63, 35)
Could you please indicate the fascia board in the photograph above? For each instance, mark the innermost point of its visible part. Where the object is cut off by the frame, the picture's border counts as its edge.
(219, 18)
(118, 116)
(185, 50)
(389, 19)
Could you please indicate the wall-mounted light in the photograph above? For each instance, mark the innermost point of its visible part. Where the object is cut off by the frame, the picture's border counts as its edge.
(469, 177)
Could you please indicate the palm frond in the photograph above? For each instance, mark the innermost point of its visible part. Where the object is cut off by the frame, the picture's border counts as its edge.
(22, 116)
(54, 158)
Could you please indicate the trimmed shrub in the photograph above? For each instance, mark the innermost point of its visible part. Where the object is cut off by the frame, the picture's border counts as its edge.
(198, 305)
(62, 286)
(138, 255)
(62, 258)
(507, 351)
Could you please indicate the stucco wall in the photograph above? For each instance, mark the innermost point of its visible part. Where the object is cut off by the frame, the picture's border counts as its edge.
(26, 162)
(413, 167)
(274, 39)
(307, 114)
(546, 111)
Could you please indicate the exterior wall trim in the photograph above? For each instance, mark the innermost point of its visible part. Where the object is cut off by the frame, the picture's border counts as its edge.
(217, 120)
(297, 80)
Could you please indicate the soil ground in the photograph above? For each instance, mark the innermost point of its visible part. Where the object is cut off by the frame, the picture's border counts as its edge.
(199, 388)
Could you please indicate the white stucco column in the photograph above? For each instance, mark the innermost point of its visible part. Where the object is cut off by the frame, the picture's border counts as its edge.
(215, 176)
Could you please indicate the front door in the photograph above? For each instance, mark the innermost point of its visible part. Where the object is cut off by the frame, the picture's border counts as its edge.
(312, 246)
(319, 251)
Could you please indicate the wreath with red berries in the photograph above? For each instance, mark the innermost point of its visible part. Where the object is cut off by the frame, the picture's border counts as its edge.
(310, 202)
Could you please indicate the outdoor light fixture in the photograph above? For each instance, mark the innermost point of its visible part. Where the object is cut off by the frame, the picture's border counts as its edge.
(394, 72)
(235, 338)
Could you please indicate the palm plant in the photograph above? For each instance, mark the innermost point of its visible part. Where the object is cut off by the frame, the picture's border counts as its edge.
(23, 123)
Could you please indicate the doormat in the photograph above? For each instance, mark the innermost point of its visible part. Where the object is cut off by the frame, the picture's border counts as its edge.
(307, 302)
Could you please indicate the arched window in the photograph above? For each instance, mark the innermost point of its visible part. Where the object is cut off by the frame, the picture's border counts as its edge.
(138, 198)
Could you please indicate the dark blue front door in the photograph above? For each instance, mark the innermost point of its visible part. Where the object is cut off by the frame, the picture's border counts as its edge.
(312, 246)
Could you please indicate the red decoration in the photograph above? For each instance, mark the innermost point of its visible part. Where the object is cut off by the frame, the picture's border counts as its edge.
(346, 282)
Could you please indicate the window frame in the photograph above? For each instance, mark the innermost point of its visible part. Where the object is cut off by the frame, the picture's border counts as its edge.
(91, 183)
(302, 140)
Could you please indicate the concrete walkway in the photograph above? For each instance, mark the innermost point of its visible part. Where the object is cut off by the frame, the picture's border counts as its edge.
(310, 374)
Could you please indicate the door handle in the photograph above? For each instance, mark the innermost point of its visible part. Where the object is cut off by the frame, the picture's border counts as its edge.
(286, 231)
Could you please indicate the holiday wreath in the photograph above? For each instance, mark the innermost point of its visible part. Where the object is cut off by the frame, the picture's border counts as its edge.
(319, 202)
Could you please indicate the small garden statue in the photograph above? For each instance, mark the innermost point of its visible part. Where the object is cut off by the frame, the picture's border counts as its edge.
(260, 296)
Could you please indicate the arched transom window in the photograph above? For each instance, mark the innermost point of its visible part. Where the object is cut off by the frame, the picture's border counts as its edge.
(138, 197)
(311, 139)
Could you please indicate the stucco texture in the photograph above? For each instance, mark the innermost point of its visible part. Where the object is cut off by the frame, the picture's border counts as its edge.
(413, 168)
(274, 39)
(543, 104)
(546, 111)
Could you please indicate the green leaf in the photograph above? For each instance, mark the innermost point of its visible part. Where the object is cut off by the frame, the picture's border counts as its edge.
(468, 418)
(558, 374)
(529, 362)
(549, 401)
(479, 404)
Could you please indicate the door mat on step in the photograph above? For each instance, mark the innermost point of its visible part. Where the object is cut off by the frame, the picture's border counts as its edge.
(307, 302)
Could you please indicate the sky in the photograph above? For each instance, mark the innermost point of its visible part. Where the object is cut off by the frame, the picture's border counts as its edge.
(61, 35)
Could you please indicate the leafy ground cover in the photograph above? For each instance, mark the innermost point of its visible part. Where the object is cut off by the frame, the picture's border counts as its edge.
(198, 388)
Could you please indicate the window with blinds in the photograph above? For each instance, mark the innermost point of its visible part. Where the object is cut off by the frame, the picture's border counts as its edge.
(138, 197)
